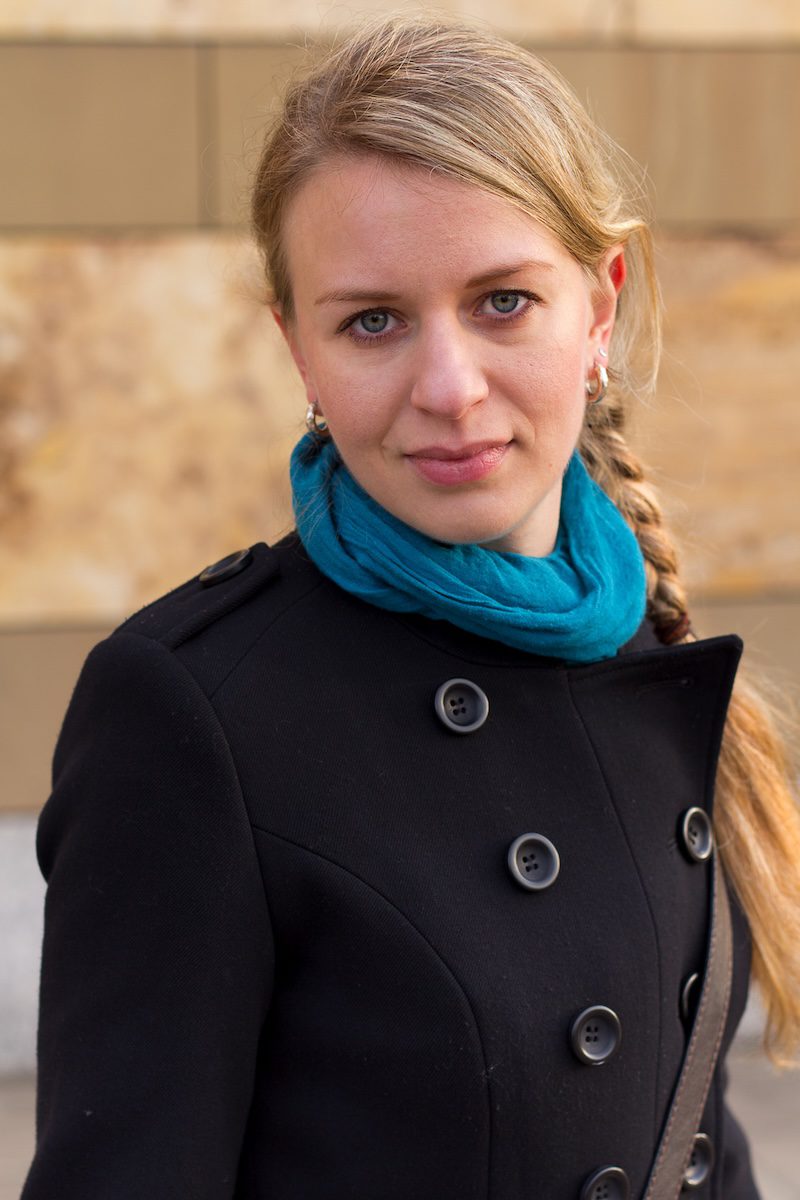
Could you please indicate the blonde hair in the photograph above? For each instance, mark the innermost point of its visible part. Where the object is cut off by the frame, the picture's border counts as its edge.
(453, 99)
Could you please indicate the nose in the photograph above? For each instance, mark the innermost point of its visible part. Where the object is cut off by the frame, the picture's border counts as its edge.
(449, 378)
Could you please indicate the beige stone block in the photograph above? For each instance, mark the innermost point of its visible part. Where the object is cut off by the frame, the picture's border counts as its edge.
(222, 18)
(723, 433)
(617, 88)
(152, 409)
(248, 84)
(717, 20)
(723, 146)
(39, 669)
(615, 85)
(715, 131)
(98, 135)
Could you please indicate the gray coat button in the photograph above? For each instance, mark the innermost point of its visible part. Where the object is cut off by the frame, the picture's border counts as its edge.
(232, 564)
(595, 1035)
(533, 861)
(689, 994)
(609, 1183)
(701, 1163)
(461, 705)
(696, 834)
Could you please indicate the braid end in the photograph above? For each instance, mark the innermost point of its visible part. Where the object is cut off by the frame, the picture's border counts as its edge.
(675, 631)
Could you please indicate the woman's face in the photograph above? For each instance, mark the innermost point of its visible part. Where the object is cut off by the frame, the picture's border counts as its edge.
(446, 338)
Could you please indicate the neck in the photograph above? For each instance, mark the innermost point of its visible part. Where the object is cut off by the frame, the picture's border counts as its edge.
(537, 533)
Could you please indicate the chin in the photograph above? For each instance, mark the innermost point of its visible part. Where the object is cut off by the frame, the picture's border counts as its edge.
(464, 533)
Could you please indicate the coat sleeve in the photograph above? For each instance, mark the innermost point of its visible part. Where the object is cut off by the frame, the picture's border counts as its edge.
(157, 957)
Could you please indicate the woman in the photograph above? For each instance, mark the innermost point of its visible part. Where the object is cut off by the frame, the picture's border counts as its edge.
(380, 862)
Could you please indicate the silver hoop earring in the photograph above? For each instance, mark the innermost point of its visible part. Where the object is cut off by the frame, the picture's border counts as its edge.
(317, 428)
(597, 384)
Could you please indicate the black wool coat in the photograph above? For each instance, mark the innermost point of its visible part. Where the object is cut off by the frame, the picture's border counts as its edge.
(286, 956)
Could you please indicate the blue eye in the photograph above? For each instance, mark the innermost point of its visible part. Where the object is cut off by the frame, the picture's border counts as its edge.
(505, 302)
(369, 327)
(506, 305)
(374, 322)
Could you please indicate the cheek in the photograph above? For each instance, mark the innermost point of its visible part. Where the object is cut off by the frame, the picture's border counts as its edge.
(358, 414)
(551, 384)
(360, 403)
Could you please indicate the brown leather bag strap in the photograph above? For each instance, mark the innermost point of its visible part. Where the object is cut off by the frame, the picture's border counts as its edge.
(694, 1081)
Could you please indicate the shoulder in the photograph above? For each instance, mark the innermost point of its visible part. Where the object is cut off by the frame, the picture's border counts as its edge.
(212, 619)
(166, 661)
(217, 590)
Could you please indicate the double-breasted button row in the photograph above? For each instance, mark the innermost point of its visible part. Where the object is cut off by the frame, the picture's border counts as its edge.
(696, 837)
(534, 863)
(462, 707)
(596, 1032)
(612, 1183)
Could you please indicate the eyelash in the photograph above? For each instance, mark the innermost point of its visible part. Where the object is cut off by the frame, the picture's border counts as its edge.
(375, 338)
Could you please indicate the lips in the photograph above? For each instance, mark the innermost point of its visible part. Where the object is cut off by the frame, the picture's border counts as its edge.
(448, 465)
(445, 454)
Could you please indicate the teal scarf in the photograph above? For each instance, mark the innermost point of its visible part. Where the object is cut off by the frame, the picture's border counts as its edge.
(579, 603)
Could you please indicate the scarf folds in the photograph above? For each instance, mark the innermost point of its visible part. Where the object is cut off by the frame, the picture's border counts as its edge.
(580, 603)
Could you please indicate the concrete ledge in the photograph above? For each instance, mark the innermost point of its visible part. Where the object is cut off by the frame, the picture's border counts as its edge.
(21, 912)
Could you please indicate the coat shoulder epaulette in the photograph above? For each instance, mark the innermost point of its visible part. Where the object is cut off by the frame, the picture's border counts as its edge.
(218, 590)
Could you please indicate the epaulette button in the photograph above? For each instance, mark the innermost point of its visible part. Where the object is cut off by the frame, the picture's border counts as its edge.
(232, 564)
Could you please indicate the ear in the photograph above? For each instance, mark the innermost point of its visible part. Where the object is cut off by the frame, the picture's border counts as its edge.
(611, 273)
(291, 339)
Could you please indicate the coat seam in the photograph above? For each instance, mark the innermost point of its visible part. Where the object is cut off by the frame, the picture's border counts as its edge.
(354, 874)
(261, 634)
(637, 869)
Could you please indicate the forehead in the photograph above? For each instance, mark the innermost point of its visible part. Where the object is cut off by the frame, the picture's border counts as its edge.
(368, 214)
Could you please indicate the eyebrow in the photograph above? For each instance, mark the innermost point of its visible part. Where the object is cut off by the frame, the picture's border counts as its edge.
(339, 295)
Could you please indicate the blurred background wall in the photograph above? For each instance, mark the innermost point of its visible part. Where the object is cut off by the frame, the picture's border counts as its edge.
(147, 407)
